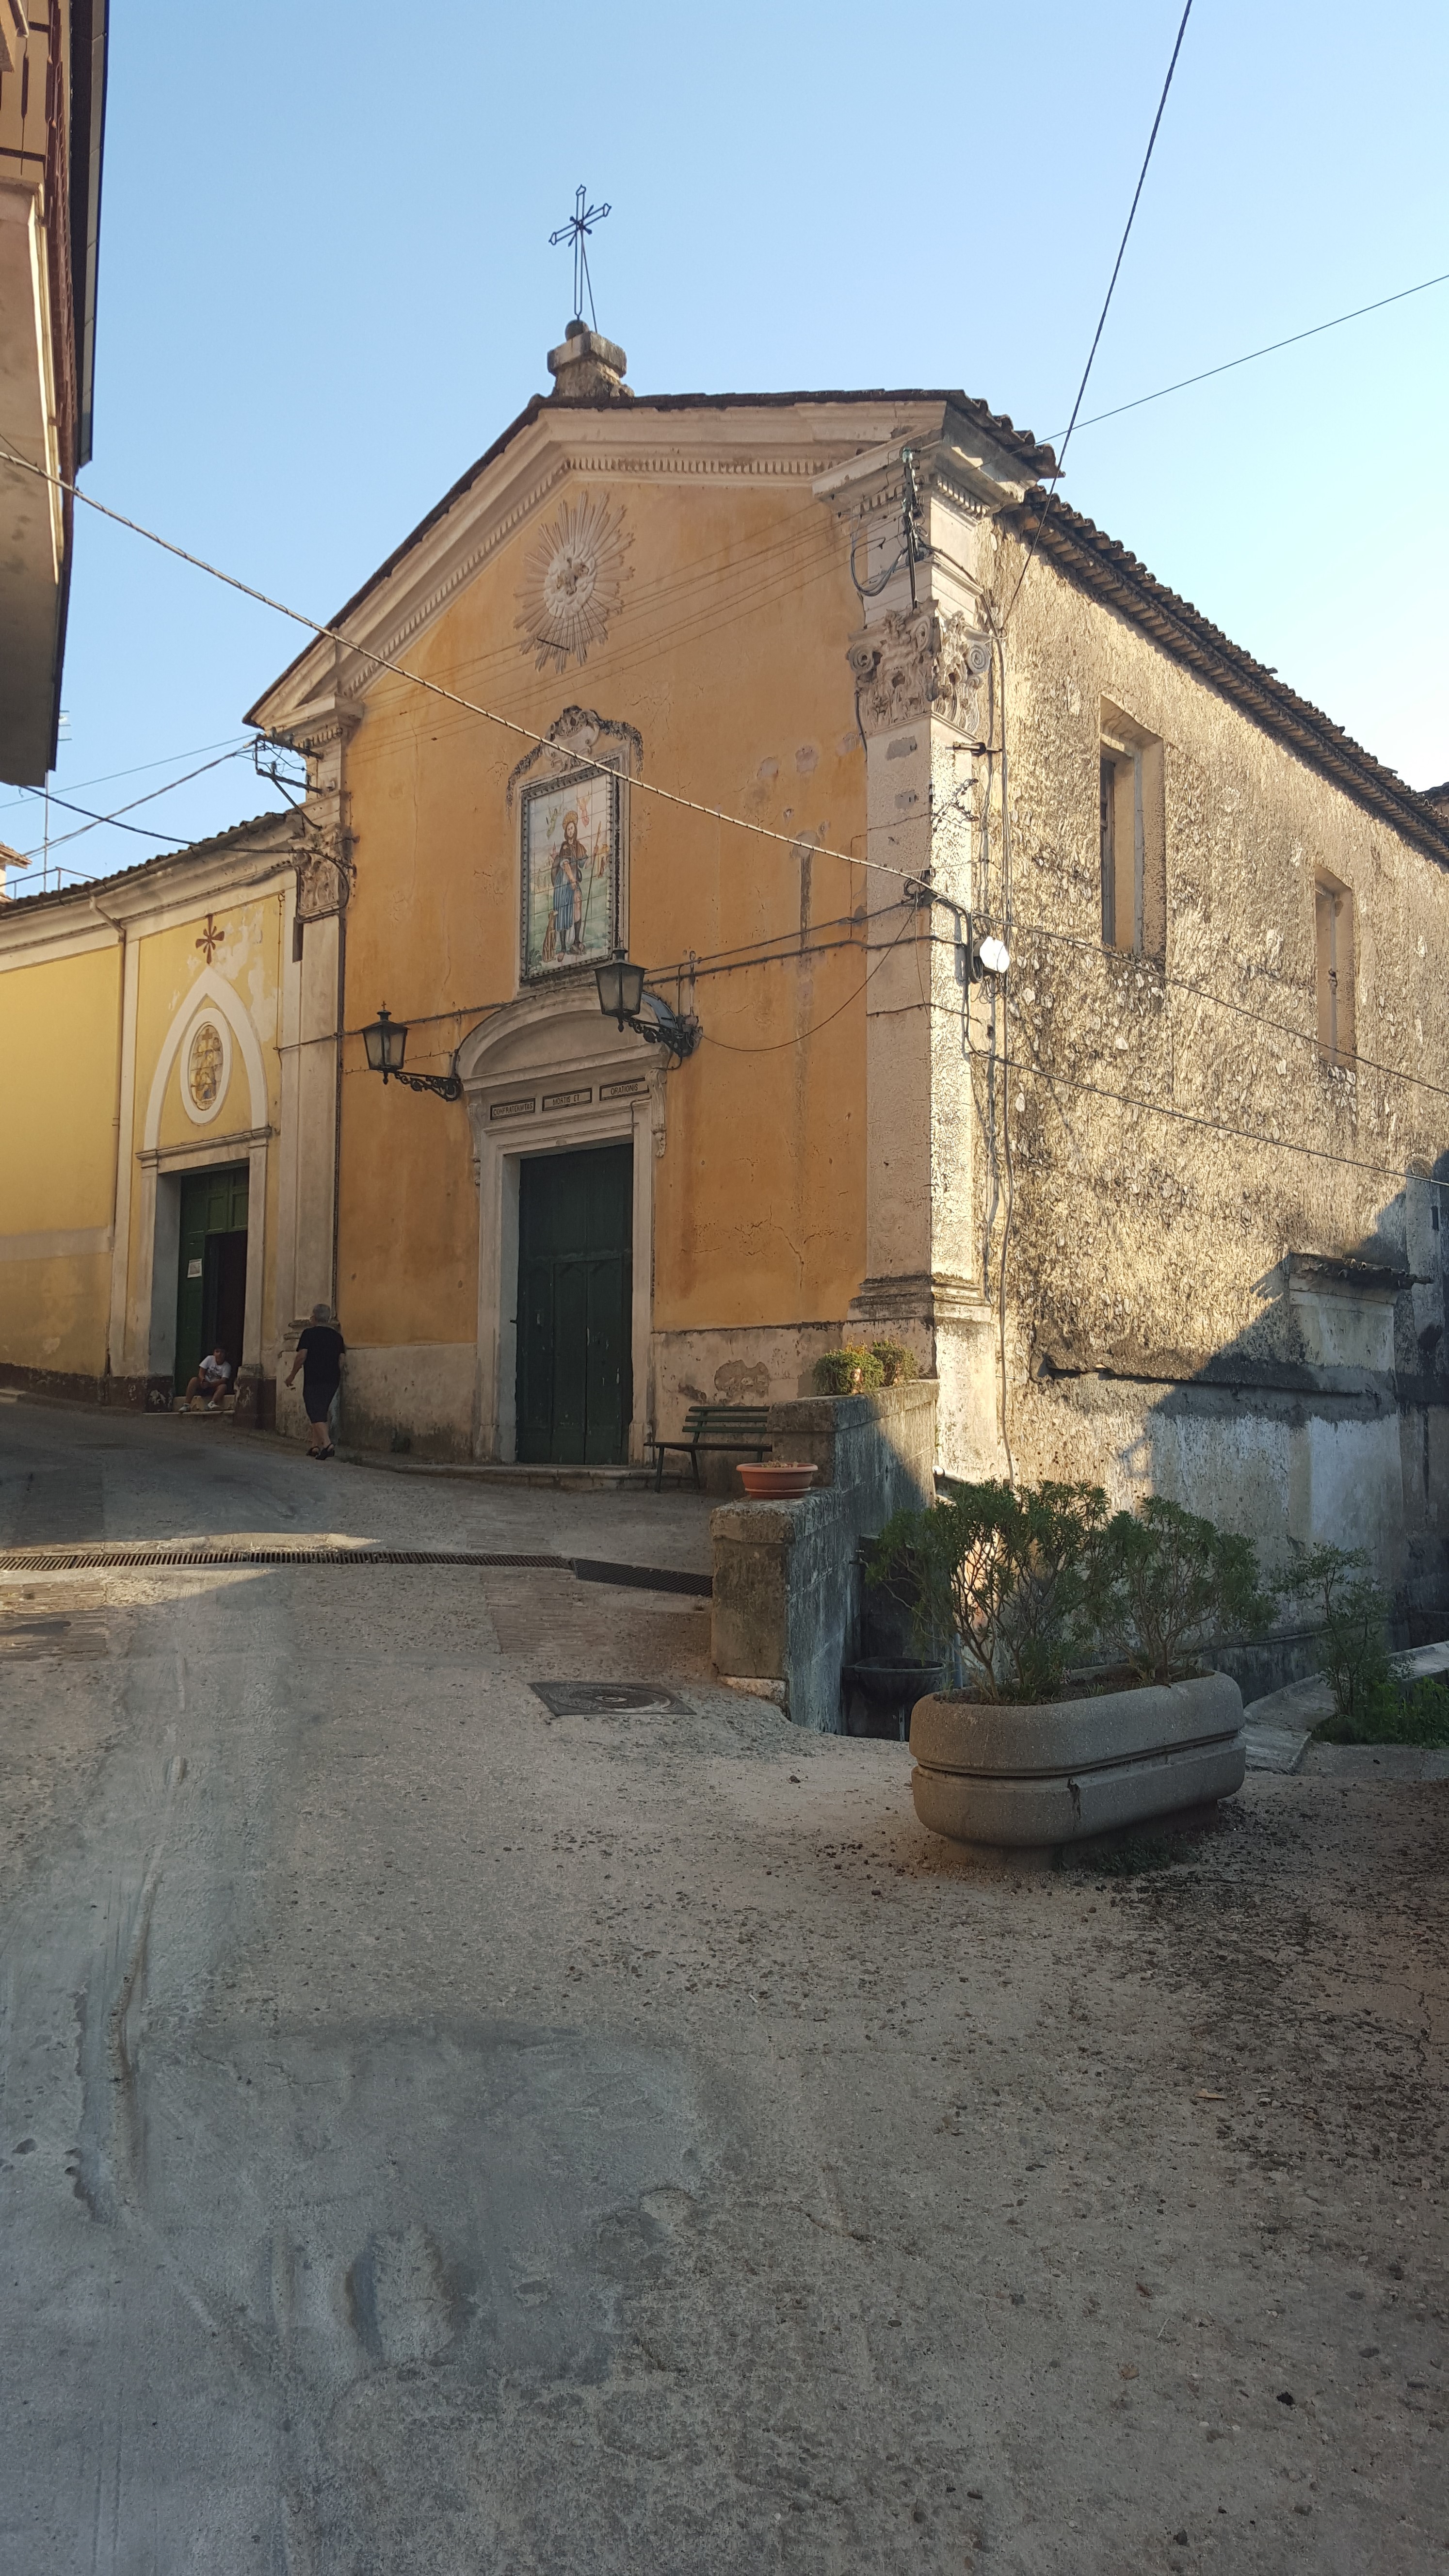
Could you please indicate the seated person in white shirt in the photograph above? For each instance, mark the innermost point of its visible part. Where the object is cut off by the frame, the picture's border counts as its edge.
(212, 1379)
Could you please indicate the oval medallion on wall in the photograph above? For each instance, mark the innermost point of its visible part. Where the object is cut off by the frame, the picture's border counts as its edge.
(206, 1070)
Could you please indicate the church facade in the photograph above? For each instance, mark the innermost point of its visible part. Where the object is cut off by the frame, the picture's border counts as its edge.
(1030, 975)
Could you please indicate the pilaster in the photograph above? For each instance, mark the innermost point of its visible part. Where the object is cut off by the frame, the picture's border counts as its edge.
(313, 1013)
(921, 663)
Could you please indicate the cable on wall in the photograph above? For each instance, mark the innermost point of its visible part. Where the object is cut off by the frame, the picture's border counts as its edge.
(778, 1045)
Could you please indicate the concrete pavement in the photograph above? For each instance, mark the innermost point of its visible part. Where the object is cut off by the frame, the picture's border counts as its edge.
(439, 2136)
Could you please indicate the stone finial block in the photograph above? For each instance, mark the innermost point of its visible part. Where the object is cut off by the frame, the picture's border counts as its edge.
(587, 366)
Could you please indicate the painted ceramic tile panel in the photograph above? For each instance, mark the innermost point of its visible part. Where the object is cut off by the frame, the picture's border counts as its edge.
(570, 835)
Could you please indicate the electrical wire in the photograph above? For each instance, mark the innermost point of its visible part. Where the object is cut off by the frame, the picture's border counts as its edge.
(1215, 1126)
(1102, 317)
(144, 832)
(1269, 351)
(1218, 1001)
(707, 573)
(985, 917)
(163, 760)
(780, 1044)
(691, 804)
(434, 688)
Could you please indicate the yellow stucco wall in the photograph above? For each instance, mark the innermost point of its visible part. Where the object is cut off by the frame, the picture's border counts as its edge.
(737, 607)
(59, 1039)
(174, 989)
(95, 1087)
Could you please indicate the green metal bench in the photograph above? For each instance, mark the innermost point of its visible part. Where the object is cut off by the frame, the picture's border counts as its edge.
(738, 1429)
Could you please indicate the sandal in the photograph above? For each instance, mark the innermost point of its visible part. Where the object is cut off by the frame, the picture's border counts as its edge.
(328, 1452)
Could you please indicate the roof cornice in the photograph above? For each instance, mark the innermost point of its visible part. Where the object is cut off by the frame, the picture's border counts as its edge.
(1096, 563)
(232, 862)
(655, 438)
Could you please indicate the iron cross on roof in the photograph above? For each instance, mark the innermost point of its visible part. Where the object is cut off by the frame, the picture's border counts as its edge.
(580, 224)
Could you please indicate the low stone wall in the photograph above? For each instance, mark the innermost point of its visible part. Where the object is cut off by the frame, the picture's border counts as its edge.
(785, 1573)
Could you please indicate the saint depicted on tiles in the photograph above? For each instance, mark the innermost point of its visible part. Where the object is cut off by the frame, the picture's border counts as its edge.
(570, 869)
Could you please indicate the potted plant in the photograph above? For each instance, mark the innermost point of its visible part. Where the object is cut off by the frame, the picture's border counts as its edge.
(899, 1655)
(852, 1370)
(859, 1368)
(1045, 1745)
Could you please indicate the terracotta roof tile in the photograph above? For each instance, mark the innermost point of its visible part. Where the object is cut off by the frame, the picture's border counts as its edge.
(164, 859)
(1100, 564)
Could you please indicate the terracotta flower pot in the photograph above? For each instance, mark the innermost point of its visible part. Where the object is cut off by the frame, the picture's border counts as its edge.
(777, 1480)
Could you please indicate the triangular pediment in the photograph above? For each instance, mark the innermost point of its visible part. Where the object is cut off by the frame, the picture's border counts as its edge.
(569, 472)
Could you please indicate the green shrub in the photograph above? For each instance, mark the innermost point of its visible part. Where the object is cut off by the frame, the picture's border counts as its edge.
(1165, 1583)
(1009, 1573)
(852, 1370)
(897, 1363)
(1424, 1715)
(1365, 1683)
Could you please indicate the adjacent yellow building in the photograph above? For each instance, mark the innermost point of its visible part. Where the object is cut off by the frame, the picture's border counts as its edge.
(142, 1174)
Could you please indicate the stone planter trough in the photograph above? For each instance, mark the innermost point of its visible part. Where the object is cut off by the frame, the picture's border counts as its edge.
(1032, 1779)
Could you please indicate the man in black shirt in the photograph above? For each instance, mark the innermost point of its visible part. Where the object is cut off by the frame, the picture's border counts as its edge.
(319, 1357)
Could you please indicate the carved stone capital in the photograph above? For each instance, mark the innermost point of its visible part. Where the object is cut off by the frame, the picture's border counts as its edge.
(917, 663)
(325, 873)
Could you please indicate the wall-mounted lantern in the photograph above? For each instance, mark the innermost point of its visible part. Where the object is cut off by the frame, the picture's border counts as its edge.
(621, 988)
(622, 998)
(386, 1043)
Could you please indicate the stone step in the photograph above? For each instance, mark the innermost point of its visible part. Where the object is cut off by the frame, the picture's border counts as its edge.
(559, 1480)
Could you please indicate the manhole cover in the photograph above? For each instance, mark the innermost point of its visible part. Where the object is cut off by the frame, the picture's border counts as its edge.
(610, 1699)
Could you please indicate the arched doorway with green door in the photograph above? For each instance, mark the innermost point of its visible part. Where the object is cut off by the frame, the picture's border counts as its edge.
(211, 1284)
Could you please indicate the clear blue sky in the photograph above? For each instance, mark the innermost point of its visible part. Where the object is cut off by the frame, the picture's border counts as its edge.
(326, 284)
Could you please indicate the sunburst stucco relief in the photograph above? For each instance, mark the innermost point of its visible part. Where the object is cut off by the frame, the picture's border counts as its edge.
(573, 579)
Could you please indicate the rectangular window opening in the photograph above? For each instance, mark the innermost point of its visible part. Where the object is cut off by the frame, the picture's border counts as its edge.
(1333, 961)
(1132, 837)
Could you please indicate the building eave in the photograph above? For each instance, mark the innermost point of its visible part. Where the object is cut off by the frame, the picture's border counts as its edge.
(226, 862)
(1098, 564)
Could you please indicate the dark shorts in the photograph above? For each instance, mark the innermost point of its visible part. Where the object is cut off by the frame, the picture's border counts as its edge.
(319, 1400)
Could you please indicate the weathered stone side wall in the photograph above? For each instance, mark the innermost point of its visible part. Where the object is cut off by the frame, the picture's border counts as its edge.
(1146, 1253)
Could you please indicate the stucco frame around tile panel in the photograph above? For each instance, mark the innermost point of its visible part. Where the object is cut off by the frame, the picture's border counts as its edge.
(554, 1041)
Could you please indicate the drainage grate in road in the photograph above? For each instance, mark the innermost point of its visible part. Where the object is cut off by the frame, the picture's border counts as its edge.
(89, 1560)
(610, 1699)
(165, 1552)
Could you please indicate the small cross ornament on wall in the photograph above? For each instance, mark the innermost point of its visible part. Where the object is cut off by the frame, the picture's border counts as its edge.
(211, 938)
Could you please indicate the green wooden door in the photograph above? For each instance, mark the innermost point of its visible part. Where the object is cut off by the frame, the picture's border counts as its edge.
(575, 1288)
(213, 1250)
